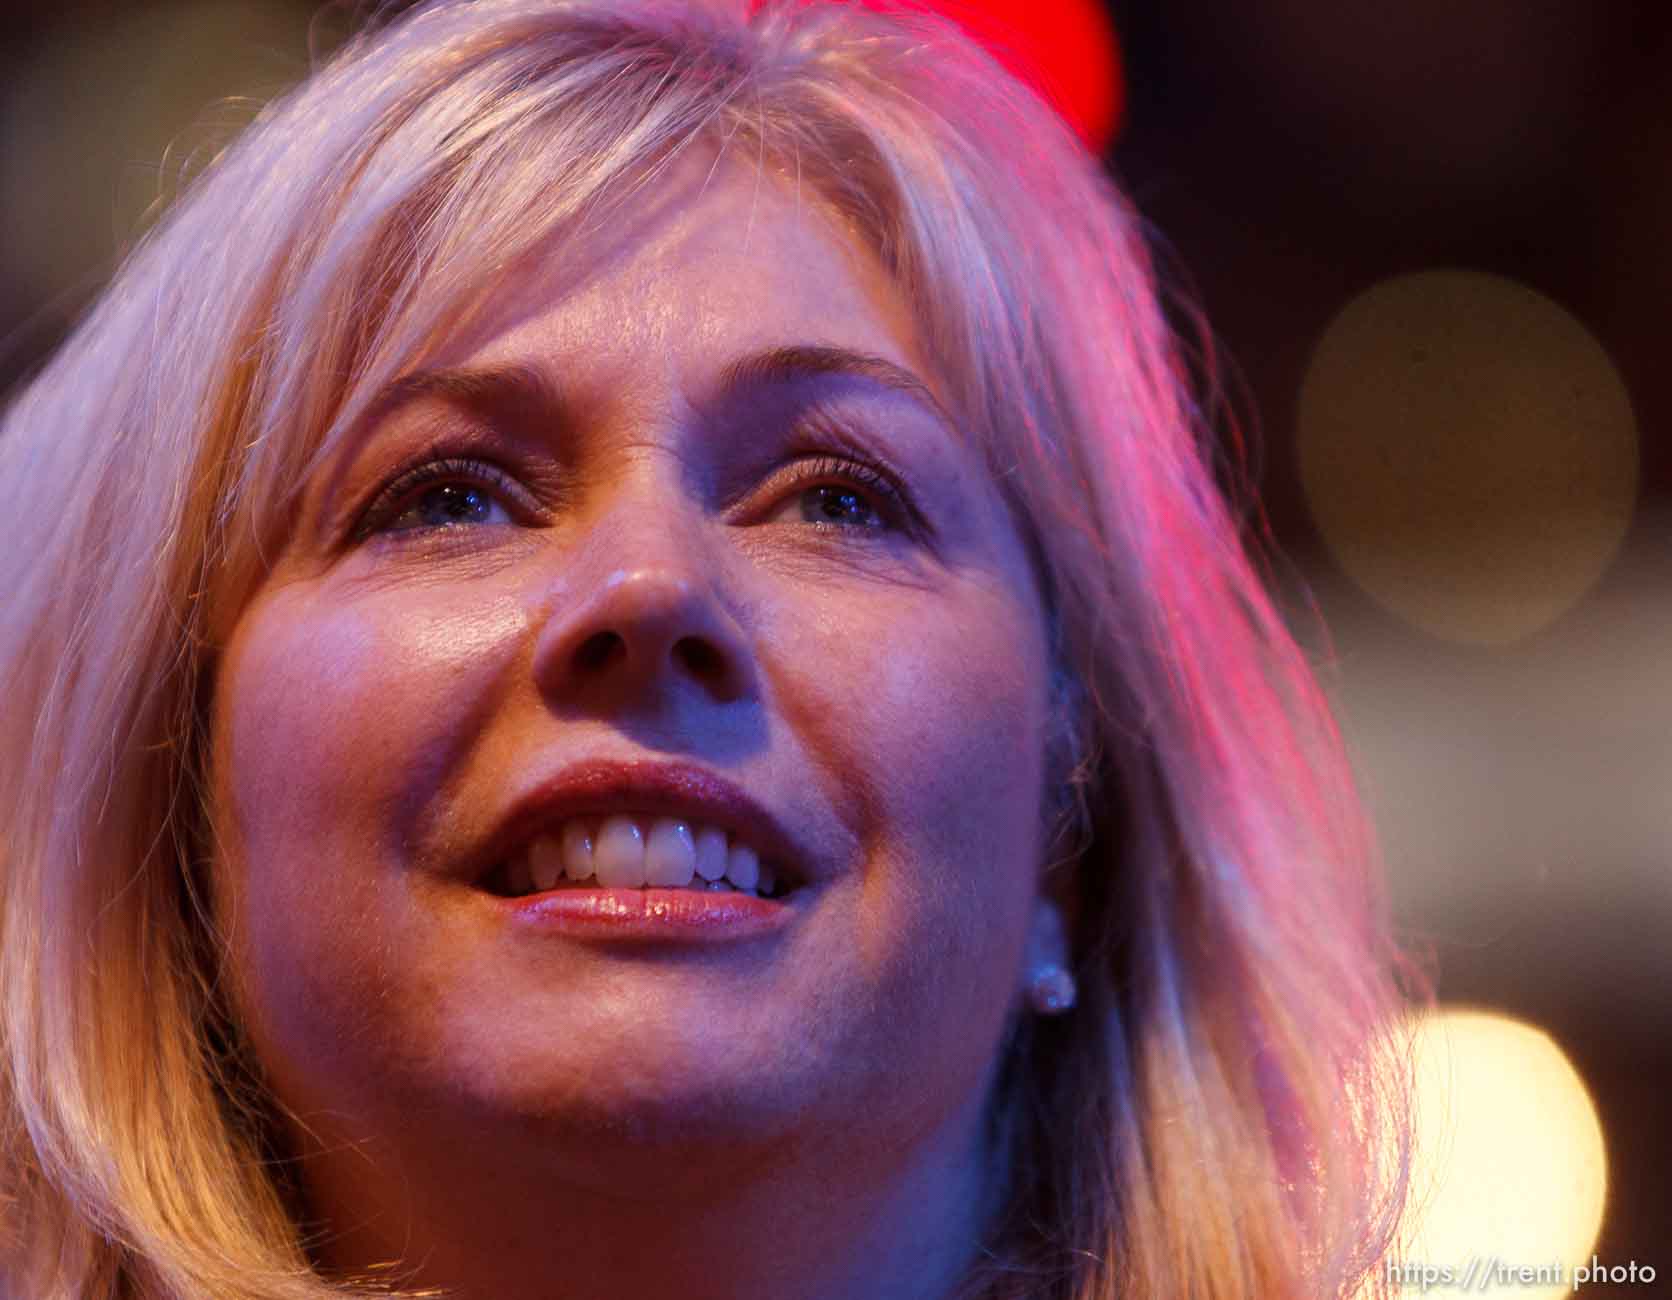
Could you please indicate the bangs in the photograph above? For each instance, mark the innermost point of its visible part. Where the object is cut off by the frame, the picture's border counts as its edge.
(520, 146)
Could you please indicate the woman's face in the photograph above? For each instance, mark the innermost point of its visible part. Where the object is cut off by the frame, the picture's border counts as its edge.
(619, 544)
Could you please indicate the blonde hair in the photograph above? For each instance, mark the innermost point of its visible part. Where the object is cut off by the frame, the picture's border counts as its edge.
(1214, 1120)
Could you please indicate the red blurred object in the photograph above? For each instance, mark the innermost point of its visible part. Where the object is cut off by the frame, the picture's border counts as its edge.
(1067, 50)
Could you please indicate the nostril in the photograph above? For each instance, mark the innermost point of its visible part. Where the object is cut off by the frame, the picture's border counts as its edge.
(604, 650)
(701, 659)
(599, 651)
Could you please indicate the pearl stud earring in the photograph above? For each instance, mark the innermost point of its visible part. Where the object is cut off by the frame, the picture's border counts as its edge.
(1051, 990)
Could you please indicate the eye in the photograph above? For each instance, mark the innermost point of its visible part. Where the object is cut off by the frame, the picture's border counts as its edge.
(830, 503)
(442, 494)
(835, 493)
(448, 504)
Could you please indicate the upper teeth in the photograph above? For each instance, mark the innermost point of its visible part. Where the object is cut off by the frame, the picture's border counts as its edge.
(624, 851)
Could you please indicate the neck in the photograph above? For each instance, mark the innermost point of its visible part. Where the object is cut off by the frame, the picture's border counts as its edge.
(821, 1219)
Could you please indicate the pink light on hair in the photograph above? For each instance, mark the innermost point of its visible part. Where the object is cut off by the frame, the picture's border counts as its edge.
(1066, 50)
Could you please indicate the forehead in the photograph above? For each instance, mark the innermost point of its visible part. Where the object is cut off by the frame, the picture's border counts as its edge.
(711, 258)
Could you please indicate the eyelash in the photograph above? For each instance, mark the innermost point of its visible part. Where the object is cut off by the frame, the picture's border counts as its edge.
(396, 498)
(893, 506)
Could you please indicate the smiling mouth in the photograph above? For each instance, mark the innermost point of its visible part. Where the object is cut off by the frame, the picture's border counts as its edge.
(636, 851)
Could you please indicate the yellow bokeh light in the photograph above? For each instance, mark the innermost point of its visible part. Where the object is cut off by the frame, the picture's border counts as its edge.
(1510, 1174)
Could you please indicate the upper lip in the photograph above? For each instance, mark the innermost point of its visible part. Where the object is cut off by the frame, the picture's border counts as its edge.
(679, 790)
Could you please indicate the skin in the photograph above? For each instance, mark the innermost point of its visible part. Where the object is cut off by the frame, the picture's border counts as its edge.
(514, 1116)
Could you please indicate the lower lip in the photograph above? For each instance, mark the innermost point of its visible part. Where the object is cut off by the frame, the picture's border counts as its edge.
(650, 915)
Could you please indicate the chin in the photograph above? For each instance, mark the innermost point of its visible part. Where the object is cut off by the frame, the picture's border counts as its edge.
(654, 1090)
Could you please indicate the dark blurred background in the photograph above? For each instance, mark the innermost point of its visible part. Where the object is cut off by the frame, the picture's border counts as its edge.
(1434, 242)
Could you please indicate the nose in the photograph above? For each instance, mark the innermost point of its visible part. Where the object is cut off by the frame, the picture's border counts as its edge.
(639, 615)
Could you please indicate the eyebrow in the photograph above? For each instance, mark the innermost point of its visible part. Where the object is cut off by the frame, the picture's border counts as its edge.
(519, 387)
(478, 387)
(783, 367)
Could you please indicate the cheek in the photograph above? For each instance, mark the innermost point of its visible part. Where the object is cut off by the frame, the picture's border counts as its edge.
(931, 719)
(935, 721)
(332, 717)
(333, 725)
(290, 708)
